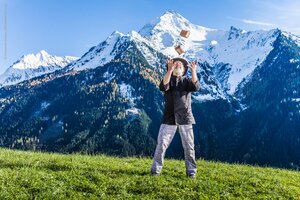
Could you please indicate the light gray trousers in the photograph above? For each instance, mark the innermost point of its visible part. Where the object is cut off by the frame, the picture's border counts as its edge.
(165, 136)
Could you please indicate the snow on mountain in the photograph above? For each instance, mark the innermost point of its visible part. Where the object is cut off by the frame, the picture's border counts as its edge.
(242, 50)
(163, 32)
(126, 91)
(100, 54)
(292, 36)
(147, 49)
(107, 50)
(33, 65)
(232, 55)
(42, 58)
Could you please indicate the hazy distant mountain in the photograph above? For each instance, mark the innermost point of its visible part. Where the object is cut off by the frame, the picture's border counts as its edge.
(30, 66)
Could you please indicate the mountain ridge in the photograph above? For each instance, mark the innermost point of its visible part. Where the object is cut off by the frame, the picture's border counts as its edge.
(33, 65)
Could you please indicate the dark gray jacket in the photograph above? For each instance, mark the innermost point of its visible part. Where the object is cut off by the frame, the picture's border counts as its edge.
(178, 109)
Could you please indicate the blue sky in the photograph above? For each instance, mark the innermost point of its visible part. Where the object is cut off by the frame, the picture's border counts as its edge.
(71, 27)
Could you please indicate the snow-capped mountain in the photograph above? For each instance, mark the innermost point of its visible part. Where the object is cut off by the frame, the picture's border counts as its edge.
(227, 58)
(230, 56)
(163, 32)
(117, 43)
(33, 65)
(241, 51)
(99, 55)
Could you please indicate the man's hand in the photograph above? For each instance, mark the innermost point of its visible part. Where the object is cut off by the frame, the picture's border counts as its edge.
(171, 65)
(171, 68)
(193, 66)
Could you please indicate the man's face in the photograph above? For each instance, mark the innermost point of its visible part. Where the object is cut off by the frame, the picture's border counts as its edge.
(179, 68)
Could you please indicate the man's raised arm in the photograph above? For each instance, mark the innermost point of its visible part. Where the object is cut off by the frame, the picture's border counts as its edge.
(164, 84)
(194, 84)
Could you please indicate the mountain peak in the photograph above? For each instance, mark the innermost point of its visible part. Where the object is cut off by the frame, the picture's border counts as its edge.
(32, 65)
(43, 52)
(170, 21)
(116, 33)
(172, 13)
(43, 55)
(234, 29)
(113, 37)
(235, 32)
(42, 58)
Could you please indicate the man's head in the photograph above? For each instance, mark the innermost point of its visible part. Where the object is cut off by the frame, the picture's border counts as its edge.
(181, 66)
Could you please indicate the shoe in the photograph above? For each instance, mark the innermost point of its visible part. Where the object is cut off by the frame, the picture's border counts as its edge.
(154, 174)
(191, 176)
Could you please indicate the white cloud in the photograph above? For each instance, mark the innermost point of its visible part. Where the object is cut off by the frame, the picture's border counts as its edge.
(283, 14)
(248, 21)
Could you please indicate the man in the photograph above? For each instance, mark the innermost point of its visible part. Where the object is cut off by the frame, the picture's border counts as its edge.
(177, 90)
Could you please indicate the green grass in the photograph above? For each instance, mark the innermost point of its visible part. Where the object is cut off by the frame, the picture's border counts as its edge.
(35, 175)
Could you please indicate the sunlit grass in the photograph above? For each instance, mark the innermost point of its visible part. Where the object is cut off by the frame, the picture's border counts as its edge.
(34, 175)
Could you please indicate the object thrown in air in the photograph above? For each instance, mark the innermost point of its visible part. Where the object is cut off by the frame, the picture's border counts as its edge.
(185, 33)
(179, 49)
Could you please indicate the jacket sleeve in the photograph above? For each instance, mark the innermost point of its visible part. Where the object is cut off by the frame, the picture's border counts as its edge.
(163, 87)
(193, 87)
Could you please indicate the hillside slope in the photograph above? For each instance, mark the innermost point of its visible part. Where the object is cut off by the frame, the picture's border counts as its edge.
(32, 175)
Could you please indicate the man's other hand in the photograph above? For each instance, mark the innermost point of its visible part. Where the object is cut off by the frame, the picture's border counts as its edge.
(171, 65)
(193, 66)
